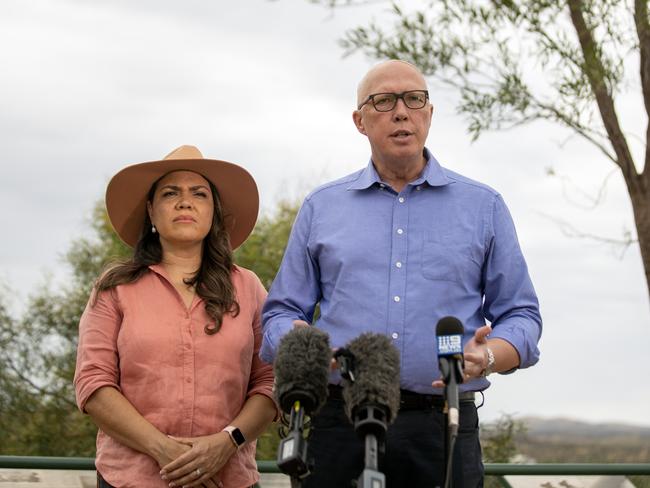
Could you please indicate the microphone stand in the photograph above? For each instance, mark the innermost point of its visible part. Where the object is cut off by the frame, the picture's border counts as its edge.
(292, 450)
(370, 424)
(452, 372)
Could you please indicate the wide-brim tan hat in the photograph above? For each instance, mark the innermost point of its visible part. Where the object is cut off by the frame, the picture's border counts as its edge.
(126, 194)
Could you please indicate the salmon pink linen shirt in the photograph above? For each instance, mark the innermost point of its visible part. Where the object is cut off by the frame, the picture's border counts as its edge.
(141, 339)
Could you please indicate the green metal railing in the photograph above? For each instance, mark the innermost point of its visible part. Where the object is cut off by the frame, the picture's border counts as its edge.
(37, 462)
(491, 469)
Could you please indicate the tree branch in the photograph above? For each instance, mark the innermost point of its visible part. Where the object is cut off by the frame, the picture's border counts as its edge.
(569, 230)
(569, 188)
(580, 130)
(643, 31)
(596, 73)
(35, 387)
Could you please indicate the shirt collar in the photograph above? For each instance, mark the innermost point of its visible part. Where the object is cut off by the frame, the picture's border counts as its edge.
(160, 270)
(366, 179)
(432, 174)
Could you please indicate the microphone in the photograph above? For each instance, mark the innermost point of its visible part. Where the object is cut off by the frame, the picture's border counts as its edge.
(302, 369)
(375, 377)
(301, 376)
(370, 368)
(450, 360)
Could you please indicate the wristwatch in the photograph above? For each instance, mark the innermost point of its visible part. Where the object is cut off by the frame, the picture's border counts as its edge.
(236, 436)
(490, 363)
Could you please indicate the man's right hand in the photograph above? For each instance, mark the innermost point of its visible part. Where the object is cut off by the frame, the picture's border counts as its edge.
(297, 324)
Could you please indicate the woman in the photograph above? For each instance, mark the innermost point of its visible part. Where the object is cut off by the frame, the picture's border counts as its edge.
(167, 364)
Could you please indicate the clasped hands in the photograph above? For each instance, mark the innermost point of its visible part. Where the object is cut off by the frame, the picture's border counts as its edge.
(195, 461)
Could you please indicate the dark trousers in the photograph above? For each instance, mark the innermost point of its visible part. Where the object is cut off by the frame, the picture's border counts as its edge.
(415, 449)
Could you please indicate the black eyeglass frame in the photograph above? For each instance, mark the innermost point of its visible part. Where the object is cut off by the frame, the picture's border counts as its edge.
(397, 97)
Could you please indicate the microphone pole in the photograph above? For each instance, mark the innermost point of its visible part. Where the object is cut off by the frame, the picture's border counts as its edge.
(301, 375)
(370, 370)
(449, 331)
(292, 450)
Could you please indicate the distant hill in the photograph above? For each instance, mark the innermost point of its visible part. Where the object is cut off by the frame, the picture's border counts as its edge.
(567, 440)
(548, 427)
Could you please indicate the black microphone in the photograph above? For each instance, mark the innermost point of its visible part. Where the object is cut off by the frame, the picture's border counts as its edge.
(301, 376)
(450, 360)
(370, 368)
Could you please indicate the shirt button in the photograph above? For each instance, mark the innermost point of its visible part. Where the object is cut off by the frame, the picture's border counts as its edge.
(400, 231)
(394, 335)
(417, 188)
(382, 186)
(396, 298)
(188, 380)
(398, 264)
(401, 199)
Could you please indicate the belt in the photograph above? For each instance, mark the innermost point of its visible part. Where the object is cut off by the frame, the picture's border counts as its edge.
(409, 400)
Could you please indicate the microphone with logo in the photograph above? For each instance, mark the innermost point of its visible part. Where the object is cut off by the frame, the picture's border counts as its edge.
(301, 377)
(370, 369)
(449, 331)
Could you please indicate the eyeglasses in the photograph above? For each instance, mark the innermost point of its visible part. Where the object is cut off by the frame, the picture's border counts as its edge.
(385, 102)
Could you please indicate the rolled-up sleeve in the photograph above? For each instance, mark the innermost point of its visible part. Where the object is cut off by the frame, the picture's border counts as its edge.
(97, 356)
(295, 290)
(511, 304)
(261, 378)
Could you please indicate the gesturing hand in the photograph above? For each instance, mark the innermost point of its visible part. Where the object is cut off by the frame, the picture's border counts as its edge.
(199, 465)
(475, 353)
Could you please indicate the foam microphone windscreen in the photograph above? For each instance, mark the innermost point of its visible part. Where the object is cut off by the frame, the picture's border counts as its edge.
(376, 372)
(302, 369)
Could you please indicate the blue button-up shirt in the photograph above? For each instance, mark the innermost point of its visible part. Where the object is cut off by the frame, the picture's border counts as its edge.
(395, 263)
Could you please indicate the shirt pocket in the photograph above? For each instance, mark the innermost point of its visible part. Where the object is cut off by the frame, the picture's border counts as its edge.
(449, 261)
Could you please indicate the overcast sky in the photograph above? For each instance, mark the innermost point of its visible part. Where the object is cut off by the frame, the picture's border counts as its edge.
(87, 87)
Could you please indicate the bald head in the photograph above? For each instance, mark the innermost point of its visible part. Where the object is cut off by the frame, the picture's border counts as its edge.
(383, 74)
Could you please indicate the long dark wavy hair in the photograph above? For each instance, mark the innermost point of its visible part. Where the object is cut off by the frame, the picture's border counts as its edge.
(212, 281)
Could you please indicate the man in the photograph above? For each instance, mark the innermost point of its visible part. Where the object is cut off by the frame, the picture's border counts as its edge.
(392, 249)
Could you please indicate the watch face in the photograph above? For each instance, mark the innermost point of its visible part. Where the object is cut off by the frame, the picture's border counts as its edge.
(238, 436)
